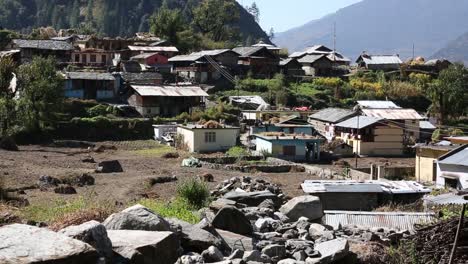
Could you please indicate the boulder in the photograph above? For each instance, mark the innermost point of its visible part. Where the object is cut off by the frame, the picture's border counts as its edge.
(136, 217)
(253, 255)
(8, 143)
(84, 180)
(231, 219)
(330, 251)
(290, 261)
(317, 231)
(93, 233)
(145, 247)
(307, 206)
(30, 244)
(252, 198)
(196, 239)
(218, 204)
(274, 251)
(109, 166)
(191, 258)
(212, 254)
(236, 241)
(65, 189)
(236, 254)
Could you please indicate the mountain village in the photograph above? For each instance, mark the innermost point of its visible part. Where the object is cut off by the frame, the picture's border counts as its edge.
(263, 179)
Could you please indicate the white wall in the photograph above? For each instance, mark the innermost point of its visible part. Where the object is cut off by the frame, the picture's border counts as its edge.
(460, 172)
(195, 139)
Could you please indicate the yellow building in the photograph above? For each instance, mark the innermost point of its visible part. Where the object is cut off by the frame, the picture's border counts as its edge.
(426, 158)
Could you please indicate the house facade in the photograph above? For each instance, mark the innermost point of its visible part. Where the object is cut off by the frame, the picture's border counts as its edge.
(60, 50)
(92, 57)
(452, 169)
(166, 100)
(90, 85)
(260, 61)
(324, 121)
(291, 67)
(200, 138)
(289, 147)
(426, 161)
(150, 59)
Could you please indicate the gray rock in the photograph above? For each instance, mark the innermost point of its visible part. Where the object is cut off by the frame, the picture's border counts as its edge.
(93, 233)
(145, 247)
(296, 245)
(220, 203)
(316, 230)
(253, 255)
(288, 261)
(136, 217)
(280, 216)
(300, 255)
(197, 239)
(30, 244)
(369, 237)
(191, 258)
(307, 206)
(231, 219)
(268, 203)
(236, 254)
(330, 251)
(206, 213)
(236, 241)
(252, 198)
(212, 254)
(109, 166)
(291, 233)
(274, 251)
(266, 224)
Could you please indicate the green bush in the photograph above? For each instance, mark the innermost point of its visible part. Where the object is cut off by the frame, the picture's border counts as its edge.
(194, 192)
(176, 209)
(237, 152)
(99, 110)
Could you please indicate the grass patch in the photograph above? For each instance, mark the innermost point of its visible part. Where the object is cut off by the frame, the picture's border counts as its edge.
(305, 89)
(194, 192)
(62, 212)
(157, 151)
(176, 209)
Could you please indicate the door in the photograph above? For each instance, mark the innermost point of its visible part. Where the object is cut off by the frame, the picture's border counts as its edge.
(289, 151)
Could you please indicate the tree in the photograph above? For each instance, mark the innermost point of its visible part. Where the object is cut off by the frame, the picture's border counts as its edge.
(254, 11)
(271, 34)
(167, 23)
(41, 92)
(74, 20)
(449, 93)
(214, 18)
(7, 104)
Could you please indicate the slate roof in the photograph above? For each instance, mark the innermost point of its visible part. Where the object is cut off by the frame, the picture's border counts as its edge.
(457, 157)
(247, 51)
(140, 76)
(168, 90)
(215, 52)
(185, 58)
(286, 61)
(43, 44)
(332, 115)
(144, 55)
(380, 59)
(311, 58)
(393, 114)
(375, 104)
(153, 48)
(298, 54)
(362, 121)
(98, 76)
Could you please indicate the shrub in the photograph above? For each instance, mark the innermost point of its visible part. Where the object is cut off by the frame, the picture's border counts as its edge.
(194, 192)
(237, 152)
(177, 209)
(99, 110)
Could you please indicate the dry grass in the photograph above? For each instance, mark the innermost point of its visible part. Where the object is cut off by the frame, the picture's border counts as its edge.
(158, 151)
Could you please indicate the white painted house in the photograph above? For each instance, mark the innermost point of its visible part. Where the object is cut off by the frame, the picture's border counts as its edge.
(452, 168)
(200, 138)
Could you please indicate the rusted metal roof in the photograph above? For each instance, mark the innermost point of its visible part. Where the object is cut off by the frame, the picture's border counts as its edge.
(393, 114)
(171, 91)
(153, 48)
(393, 220)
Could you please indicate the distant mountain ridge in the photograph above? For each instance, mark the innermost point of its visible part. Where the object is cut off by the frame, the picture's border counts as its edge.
(384, 27)
(108, 17)
(456, 50)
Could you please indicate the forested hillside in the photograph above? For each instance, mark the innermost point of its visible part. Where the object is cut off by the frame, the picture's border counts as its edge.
(107, 17)
(456, 50)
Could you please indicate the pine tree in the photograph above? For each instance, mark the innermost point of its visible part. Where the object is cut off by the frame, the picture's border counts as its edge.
(75, 15)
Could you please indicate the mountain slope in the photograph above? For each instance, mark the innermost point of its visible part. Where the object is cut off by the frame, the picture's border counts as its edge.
(456, 50)
(109, 17)
(384, 26)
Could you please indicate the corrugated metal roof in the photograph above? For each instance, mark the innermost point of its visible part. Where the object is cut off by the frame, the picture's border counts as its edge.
(185, 58)
(153, 48)
(144, 55)
(43, 44)
(318, 49)
(215, 52)
(426, 125)
(380, 59)
(359, 122)
(247, 51)
(445, 199)
(141, 76)
(394, 187)
(172, 91)
(310, 58)
(298, 54)
(393, 114)
(457, 157)
(99, 76)
(375, 104)
(393, 220)
(332, 115)
(286, 61)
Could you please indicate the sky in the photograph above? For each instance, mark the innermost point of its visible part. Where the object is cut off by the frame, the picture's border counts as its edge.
(286, 14)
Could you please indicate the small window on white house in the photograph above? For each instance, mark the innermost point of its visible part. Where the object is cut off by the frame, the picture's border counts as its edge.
(210, 137)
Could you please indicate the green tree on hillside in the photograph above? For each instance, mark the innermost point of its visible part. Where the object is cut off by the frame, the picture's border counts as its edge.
(449, 93)
(41, 90)
(167, 24)
(214, 18)
(7, 104)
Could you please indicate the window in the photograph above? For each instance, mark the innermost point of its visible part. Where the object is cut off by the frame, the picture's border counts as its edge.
(77, 57)
(103, 59)
(93, 58)
(210, 137)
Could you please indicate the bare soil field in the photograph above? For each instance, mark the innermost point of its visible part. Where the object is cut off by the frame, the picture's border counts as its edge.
(140, 160)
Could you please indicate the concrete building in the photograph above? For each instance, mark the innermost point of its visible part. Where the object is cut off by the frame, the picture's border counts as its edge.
(90, 85)
(426, 161)
(371, 136)
(289, 147)
(162, 131)
(289, 125)
(452, 169)
(202, 138)
(166, 100)
(324, 121)
(92, 57)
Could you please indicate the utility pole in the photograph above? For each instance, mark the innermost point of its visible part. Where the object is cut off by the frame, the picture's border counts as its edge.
(413, 51)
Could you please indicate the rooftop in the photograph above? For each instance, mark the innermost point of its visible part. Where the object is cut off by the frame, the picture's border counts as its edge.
(311, 58)
(141, 76)
(43, 44)
(458, 157)
(375, 104)
(333, 115)
(270, 136)
(393, 114)
(359, 122)
(393, 187)
(153, 48)
(98, 76)
(170, 91)
(247, 51)
(144, 55)
(380, 59)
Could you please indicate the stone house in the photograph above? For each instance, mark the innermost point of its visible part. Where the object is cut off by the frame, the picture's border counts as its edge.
(29, 48)
(90, 85)
(260, 61)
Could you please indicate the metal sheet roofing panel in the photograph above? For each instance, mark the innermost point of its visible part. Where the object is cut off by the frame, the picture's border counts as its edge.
(171, 91)
(393, 114)
(445, 199)
(359, 122)
(393, 220)
(332, 115)
(101, 76)
(375, 104)
(394, 187)
(153, 48)
(310, 58)
(458, 157)
(381, 59)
